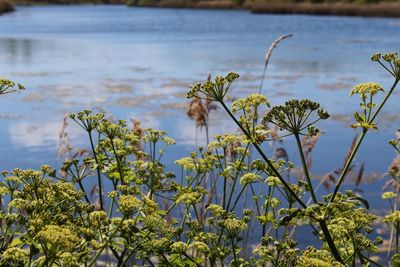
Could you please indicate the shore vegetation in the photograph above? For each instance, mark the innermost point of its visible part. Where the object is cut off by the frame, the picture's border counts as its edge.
(233, 202)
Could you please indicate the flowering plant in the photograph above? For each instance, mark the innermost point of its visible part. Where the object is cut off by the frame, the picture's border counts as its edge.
(140, 214)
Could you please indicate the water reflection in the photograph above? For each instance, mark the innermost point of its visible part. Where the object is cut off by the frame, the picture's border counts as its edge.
(27, 134)
(138, 63)
(16, 50)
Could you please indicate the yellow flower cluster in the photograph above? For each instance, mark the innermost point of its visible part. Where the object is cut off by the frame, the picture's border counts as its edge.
(248, 103)
(15, 255)
(58, 237)
(393, 217)
(388, 195)
(97, 218)
(189, 197)
(371, 88)
(235, 226)
(186, 163)
(317, 258)
(179, 247)
(200, 247)
(273, 181)
(249, 178)
(128, 203)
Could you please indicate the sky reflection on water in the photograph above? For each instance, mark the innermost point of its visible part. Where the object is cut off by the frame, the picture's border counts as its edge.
(139, 62)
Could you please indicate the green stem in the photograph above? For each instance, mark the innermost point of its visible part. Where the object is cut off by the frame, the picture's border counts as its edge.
(329, 240)
(264, 226)
(133, 250)
(121, 175)
(93, 261)
(360, 139)
(238, 197)
(191, 259)
(371, 261)
(225, 182)
(255, 200)
(265, 158)
(397, 237)
(98, 171)
(84, 192)
(234, 252)
(323, 225)
(236, 177)
(305, 168)
(110, 211)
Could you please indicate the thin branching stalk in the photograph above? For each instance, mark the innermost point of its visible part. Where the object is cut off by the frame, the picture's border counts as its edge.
(238, 198)
(121, 174)
(93, 261)
(234, 253)
(322, 223)
(98, 171)
(359, 141)
(225, 182)
(236, 177)
(265, 158)
(305, 168)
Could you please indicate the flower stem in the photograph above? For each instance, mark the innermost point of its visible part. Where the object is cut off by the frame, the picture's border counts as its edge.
(329, 240)
(305, 168)
(360, 139)
(98, 171)
(93, 261)
(236, 177)
(265, 158)
(322, 223)
(234, 253)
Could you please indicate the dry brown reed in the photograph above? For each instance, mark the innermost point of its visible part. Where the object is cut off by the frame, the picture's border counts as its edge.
(64, 145)
(199, 111)
(331, 178)
(350, 150)
(392, 183)
(231, 154)
(281, 153)
(308, 143)
(268, 57)
(138, 130)
(359, 178)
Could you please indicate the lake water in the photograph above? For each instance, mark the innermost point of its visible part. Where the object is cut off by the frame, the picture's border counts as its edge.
(138, 63)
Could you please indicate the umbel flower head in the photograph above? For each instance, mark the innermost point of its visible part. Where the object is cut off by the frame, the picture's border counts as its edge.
(213, 90)
(87, 120)
(296, 115)
(389, 61)
(367, 91)
(7, 86)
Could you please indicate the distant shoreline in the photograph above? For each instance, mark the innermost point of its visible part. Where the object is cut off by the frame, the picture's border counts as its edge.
(382, 9)
(67, 2)
(5, 6)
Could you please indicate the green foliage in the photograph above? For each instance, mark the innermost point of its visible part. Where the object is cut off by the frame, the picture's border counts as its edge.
(200, 217)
